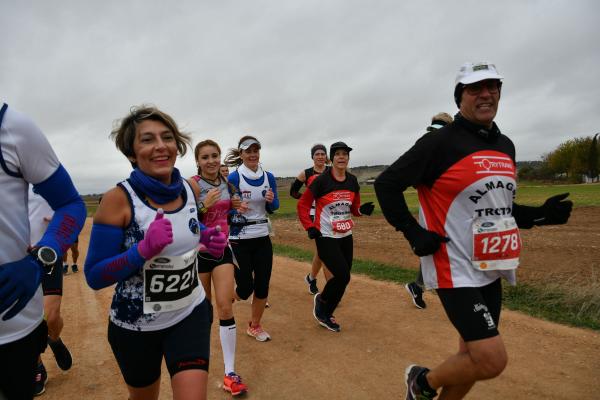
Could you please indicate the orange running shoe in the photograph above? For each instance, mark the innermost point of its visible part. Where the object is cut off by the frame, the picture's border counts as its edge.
(232, 383)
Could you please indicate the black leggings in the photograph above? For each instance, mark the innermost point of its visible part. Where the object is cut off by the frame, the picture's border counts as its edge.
(336, 254)
(253, 259)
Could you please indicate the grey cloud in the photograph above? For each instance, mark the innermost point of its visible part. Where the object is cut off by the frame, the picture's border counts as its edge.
(293, 73)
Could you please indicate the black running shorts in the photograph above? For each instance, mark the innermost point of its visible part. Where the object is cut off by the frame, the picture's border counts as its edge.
(52, 284)
(185, 345)
(474, 311)
(206, 262)
(18, 362)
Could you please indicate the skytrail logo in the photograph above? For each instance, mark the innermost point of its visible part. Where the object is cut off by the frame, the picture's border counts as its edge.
(494, 165)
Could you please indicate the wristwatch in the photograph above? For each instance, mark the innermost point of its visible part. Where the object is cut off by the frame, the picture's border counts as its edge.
(202, 208)
(45, 256)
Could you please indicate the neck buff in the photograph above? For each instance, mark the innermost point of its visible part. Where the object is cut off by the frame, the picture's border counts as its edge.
(154, 189)
(488, 134)
(248, 173)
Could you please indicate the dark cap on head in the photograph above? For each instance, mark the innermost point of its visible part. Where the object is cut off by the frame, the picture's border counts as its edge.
(316, 147)
(337, 146)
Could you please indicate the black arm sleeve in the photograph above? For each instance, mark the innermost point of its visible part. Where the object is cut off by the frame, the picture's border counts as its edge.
(295, 189)
(411, 169)
(526, 215)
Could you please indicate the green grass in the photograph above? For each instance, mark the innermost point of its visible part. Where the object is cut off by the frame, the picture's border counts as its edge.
(287, 205)
(91, 208)
(375, 270)
(580, 307)
(528, 193)
(582, 195)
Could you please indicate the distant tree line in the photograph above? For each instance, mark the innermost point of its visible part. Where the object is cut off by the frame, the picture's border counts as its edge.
(576, 160)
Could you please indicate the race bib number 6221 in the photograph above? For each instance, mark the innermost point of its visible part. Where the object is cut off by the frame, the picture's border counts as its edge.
(496, 244)
(170, 282)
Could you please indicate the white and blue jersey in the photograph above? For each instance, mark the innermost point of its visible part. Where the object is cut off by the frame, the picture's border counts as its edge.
(127, 305)
(25, 157)
(252, 190)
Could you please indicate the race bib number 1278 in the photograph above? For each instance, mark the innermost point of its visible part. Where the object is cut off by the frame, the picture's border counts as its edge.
(496, 244)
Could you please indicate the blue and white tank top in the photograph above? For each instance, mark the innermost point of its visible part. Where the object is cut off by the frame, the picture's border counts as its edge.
(127, 305)
(256, 214)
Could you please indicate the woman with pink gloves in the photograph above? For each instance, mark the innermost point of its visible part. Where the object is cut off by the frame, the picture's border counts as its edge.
(145, 238)
(217, 199)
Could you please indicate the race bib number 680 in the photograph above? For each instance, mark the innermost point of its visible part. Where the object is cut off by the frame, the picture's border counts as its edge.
(341, 224)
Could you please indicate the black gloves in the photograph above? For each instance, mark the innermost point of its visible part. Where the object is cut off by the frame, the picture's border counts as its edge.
(555, 211)
(367, 208)
(313, 232)
(422, 241)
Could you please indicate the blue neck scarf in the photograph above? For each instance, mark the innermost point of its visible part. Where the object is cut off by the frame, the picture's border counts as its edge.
(154, 189)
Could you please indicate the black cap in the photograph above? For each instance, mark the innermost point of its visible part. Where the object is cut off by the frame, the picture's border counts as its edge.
(337, 146)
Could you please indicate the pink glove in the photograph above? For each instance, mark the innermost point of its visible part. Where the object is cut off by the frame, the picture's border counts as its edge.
(214, 241)
(158, 236)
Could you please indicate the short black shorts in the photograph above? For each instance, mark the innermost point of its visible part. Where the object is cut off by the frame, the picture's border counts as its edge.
(206, 262)
(18, 362)
(474, 311)
(185, 345)
(52, 284)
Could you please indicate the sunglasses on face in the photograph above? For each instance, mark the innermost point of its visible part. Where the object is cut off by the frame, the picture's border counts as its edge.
(476, 88)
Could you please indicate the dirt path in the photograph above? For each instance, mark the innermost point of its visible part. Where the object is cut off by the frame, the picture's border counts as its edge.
(381, 333)
(569, 253)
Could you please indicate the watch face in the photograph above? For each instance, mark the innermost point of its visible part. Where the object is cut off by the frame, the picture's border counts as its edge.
(47, 255)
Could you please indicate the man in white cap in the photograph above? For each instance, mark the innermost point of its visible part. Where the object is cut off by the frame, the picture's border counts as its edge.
(468, 230)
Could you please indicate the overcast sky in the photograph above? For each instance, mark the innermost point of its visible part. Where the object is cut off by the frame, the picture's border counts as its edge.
(293, 73)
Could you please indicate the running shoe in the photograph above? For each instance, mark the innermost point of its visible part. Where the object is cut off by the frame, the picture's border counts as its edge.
(232, 383)
(61, 354)
(75, 268)
(312, 284)
(416, 294)
(413, 391)
(65, 269)
(41, 377)
(257, 332)
(328, 321)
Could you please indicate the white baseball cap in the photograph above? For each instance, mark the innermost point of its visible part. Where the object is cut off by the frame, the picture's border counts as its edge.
(475, 72)
(245, 145)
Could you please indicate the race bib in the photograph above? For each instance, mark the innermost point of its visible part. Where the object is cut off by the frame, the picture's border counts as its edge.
(496, 244)
(170, 282)
(341, 225)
